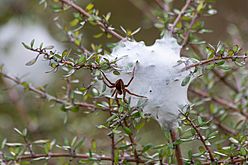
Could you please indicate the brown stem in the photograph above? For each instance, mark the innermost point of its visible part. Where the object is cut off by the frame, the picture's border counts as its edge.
(178, 153)
(83, 12)
(133, 144)
(202, 139)
(215, 59)
(63, 155)
(186, 34)
(163, 5)
(220, 101)
(172, 29)
(145, 8)
(48, 96)
(223, 79)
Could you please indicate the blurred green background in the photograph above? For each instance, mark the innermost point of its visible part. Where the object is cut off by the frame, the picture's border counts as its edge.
(21, 110)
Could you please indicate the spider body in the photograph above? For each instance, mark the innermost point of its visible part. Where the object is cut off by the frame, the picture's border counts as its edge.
(120, 87)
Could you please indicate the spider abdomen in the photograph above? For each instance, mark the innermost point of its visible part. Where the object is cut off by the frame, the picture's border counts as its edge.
(119, 84)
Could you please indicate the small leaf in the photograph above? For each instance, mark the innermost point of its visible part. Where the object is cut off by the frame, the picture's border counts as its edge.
(32, 43)
(115, 72)
(3, 143)
(41, 45)
(26, 46)
(108, 15)
(41, 141)
(89, 6)
(49, 47)
(98, 35)
(233, 140)
(127, 130)
(185, 80)
(18, 131)
(31, 62)
(136, 31)
(74, 22)
(24, 132)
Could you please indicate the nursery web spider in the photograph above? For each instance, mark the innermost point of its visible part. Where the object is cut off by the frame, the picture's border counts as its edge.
(120, 87)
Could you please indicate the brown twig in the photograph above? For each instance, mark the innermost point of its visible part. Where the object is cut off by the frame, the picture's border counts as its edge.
(172, 28)
(163, 5)
(187, 33)
(237, 160)
(101, 24)
(62, 61)
(98, 158)
(223, 79)
(145, 8)
(222, 127)
(112, 136)
(63, 155)
(178, 153)
(82, 48)
(217, 73)
(133, 143)
(48, 96)
(220, 101)
(202, 139)
(215, 59)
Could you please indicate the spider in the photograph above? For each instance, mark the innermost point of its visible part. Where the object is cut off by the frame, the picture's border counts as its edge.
(120, 87)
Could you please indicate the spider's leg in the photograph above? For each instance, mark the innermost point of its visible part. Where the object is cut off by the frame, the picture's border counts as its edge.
(116, 99)
(124, 96)
(133, 93)
(131, 78)
(114, 93)
(110, 86)
(107, 78)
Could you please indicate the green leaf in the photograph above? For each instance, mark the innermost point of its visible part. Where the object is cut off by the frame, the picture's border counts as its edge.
(3, 143)
(98, 35)
(18, 131)
(108, 15)
(89, 6)
(26, 46)
(25, 132)
(49, 47)
(233, 140)
(147, 147)
(74, 22)
(93, 145)
(127, 130)
(220, 63)
(33, 61)
(115, 72)
(32, 43)
(185, 80)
